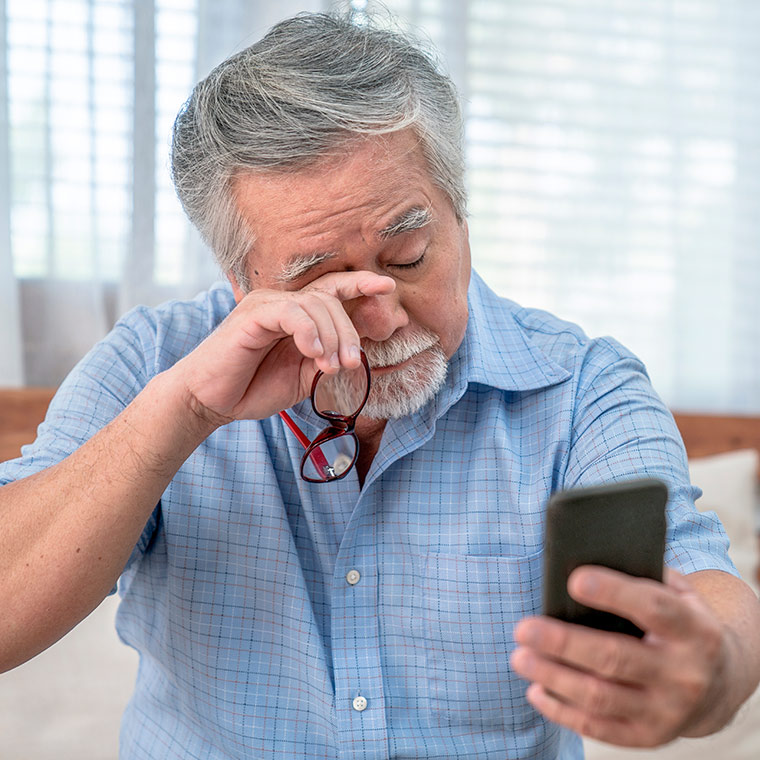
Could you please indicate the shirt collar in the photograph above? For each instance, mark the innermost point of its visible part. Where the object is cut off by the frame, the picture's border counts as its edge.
(497, 350)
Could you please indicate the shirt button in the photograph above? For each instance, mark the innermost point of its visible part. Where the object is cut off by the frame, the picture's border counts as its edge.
(352, 577)
(360, 704)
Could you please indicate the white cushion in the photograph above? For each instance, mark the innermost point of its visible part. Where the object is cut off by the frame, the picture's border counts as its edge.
(729, 483)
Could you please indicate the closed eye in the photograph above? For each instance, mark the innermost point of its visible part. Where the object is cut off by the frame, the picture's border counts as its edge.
(412, 264)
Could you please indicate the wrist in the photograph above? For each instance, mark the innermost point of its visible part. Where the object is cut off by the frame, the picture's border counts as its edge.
(178, 424)
(199, 416)
(726, 692)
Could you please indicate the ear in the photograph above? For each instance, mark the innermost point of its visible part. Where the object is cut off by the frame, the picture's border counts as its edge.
(236, 290)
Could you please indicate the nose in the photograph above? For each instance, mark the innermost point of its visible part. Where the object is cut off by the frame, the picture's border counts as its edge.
(377, 317)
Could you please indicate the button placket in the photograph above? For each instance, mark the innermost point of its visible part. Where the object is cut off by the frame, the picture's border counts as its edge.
(355, 638)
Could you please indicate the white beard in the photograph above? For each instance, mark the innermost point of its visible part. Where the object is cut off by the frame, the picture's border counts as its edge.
(405, 391)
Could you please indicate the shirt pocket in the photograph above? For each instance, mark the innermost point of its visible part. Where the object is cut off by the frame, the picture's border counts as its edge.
(470, 605)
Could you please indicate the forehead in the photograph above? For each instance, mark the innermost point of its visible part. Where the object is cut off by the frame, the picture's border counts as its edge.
(360, 187)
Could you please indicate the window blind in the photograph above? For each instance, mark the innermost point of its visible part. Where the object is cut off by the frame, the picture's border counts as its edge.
(77, 89)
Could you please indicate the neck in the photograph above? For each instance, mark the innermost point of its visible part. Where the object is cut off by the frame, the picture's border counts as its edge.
(369, 432)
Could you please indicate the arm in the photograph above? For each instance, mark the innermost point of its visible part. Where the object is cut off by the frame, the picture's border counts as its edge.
(67, 531)
(700, 657)
(737, 611)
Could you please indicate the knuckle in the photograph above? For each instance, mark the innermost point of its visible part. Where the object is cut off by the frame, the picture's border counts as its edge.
(610, 659)
(650, 738)
(293, 307)
(598, 698)
(312, 299)
(320, 291)
(652, 729)
(659, 609)
(562, 642)
(693, 686)
(667, 719)
(587, 726)
(664, 728)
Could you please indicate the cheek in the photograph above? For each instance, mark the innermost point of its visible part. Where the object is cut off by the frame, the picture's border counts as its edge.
(444, 311)
(450, 303)
(455, 325)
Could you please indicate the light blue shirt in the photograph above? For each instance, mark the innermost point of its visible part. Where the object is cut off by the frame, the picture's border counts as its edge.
(253, 643)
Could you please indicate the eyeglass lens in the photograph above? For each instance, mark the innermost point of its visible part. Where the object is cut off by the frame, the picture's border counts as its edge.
(341, 395)
(330, 459)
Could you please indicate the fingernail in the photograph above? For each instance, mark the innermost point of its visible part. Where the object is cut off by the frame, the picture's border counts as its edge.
(354, 352)
(521, 660)
(334, 360)
(587, 585)
(534, 694)
(528, 634)
(318, 347)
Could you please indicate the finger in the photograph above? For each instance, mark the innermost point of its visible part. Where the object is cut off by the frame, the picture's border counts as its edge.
(348, 339)
(348, 285)
(597, 696)
(654, 607)
(291, 318)
(615, 656)
(319, 309)
(620, 731)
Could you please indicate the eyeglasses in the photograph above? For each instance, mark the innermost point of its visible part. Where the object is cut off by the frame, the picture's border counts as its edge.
(338, 399)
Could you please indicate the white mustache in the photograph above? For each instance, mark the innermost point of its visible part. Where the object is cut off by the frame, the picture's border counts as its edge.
(400, 348)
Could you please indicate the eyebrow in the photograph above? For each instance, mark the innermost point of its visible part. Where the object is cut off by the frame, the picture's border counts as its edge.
(412, 219)
(298, 266)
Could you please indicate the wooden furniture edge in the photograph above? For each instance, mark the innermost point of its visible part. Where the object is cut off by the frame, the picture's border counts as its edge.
(709, 434)
(21, 410)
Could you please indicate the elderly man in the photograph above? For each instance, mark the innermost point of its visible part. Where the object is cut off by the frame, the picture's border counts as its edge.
(330, 601)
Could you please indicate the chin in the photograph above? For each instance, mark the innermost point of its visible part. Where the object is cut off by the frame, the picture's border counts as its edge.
(406, 390)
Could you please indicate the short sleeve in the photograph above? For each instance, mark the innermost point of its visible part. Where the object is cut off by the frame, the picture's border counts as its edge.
(622, 430)
(102, 384)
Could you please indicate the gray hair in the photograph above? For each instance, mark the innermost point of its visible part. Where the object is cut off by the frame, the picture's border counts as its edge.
(312, 84)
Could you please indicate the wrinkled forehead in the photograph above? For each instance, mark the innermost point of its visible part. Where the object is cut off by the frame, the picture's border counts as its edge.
(380, 181)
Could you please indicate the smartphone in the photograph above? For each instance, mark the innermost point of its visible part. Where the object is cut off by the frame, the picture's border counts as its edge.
(620, 525)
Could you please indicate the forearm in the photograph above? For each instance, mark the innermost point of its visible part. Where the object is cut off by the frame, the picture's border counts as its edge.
(67, 532)
(738, 609)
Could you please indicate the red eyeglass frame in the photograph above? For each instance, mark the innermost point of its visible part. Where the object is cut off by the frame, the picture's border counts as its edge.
(340, 425)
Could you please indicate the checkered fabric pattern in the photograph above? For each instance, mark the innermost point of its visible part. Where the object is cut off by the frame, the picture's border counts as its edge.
(253, 642)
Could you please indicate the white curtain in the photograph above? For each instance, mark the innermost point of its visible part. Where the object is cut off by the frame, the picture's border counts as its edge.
(614, 172)
(89, 223)
(613, 150)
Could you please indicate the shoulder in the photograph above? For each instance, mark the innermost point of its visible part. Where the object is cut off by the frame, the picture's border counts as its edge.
(164, 334)
(514, 335)
(184, 317)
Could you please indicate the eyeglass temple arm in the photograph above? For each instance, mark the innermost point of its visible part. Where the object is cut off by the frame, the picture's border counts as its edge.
(316, 456)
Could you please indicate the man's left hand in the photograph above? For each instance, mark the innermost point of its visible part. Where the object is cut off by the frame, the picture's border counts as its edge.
(676, 681)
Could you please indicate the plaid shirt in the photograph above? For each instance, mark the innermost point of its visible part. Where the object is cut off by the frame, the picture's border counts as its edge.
(278, 619)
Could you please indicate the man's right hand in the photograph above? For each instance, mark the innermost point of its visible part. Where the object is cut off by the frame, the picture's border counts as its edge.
(263, 357)
(66, 532)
